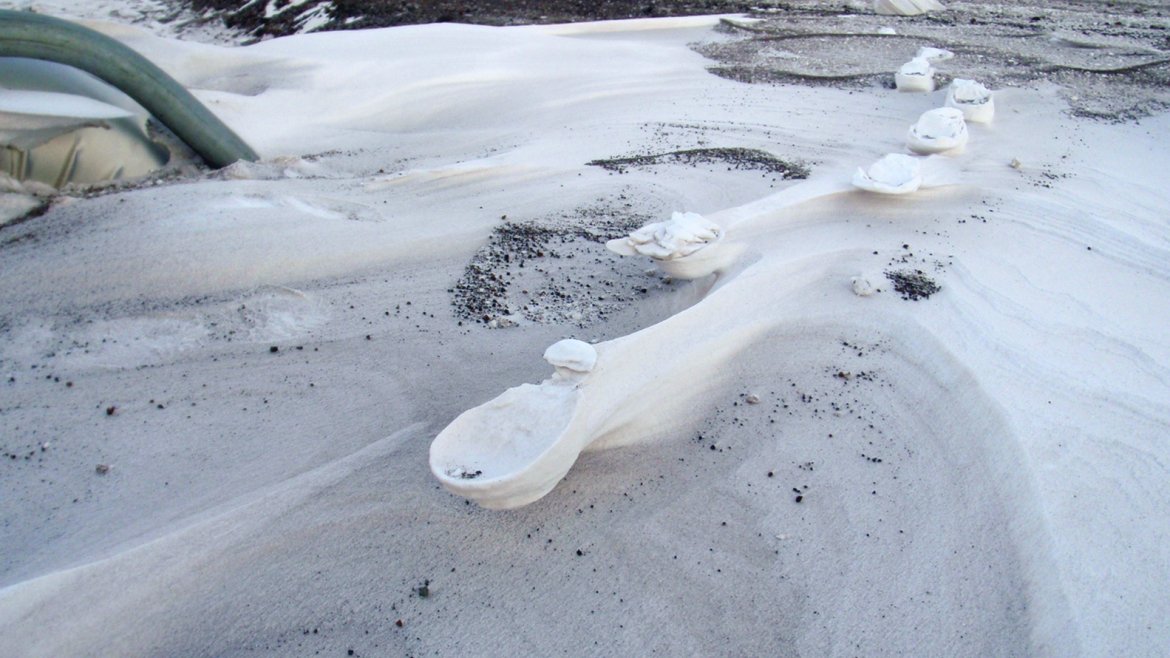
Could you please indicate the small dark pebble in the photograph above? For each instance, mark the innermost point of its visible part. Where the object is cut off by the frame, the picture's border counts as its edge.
(110, 410)
(399, 623)
(273, 350)
(799, 498)
(580, 553)
(770, 473)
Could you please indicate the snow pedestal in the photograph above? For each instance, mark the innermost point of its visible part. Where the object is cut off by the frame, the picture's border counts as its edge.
(688, 246)
(895, 173)
(972, 99)
(938, 131)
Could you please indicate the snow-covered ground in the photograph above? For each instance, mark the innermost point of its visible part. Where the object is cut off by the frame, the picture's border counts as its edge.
(218, 392)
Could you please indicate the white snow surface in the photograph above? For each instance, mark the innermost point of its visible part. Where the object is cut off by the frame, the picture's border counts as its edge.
(981, 472)
(893, 173)
(53, 104)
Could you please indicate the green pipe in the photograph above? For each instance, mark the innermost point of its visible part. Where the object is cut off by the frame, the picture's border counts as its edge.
(24, 34)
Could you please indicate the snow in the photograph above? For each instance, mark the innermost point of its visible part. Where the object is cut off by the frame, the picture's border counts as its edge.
(906, 7)
(571, 355)
(940, 130)
(53, 104)
(263, 356)
(973, 99)
(683, 235)
(894, 173)
(915, 76)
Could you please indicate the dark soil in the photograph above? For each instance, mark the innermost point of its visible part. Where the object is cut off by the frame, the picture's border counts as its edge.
(913, 285)
(1112, 59)
(544, 270)
(356, 14)
(738, 158)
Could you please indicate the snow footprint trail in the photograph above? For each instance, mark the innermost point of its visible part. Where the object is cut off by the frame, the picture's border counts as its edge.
(515, 448)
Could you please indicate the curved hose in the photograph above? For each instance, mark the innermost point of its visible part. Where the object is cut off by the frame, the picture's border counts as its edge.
(24, 34)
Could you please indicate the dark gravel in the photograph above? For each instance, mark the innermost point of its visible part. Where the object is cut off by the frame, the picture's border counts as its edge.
(913, 285)
(1111, 59)
(249, 16)
(737, 158)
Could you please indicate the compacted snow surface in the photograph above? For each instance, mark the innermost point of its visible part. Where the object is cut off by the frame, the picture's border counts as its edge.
(218, 391)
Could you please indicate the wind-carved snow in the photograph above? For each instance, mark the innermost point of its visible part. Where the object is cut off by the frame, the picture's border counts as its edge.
(973, 99)
(941, 130)
(684, 234)
(996, 464)
(915, 75)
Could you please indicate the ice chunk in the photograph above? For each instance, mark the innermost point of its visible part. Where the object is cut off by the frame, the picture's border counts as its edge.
(862, 287)
(571, 357)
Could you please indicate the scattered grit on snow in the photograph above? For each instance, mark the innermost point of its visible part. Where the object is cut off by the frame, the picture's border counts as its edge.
(218, 391)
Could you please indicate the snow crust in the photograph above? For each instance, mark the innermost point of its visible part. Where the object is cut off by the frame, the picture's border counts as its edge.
(989, 463)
